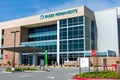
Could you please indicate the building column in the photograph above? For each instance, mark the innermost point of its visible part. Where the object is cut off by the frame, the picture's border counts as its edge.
(58, 41)
(34, 58)
(84, 35)
(20, 58)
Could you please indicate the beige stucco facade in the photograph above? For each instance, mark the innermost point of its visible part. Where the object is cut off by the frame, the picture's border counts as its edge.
(35, 20)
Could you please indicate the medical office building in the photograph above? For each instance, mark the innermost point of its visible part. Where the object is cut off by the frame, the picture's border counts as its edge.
(65, 34)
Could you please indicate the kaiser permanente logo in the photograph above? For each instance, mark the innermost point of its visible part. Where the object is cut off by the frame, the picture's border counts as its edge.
(58, 14)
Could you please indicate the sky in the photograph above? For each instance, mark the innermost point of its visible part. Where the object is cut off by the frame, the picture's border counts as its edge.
(14, 9)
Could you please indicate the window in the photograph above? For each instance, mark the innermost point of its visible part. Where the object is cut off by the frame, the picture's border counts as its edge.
(63, 46)
(75, 21)
(63, 33)
(2, 40)
(63, 23)
(43, 33)
(76, 45)
(1, 56)
(2, 31)
(75, 32)
(71, 32)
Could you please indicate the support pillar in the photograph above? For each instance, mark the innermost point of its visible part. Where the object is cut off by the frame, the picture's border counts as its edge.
(20, 59)
(58, 41)
(34, 59)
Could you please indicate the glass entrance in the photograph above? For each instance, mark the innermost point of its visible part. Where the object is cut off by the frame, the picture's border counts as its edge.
(51, 58)
(27, 59)
(30, 59)
(39, 57)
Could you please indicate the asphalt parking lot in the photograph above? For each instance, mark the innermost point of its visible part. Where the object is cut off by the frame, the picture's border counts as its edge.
(54, 74)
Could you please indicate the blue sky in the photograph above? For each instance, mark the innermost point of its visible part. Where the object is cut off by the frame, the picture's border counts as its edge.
(14, 9)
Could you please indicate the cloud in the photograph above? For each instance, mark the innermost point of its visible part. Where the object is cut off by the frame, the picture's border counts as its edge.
(94, 5)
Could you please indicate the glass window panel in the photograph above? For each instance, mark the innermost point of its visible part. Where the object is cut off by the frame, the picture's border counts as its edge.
(80, 20)
(63, 23)
(75, 28)
(80, 27)
(70, 20)
(75, 19)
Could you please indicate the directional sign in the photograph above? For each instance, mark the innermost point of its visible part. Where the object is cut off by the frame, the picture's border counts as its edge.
(42, 62)
(84, 62)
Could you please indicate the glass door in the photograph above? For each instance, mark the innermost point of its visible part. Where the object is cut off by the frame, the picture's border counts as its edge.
(30, 59)
(40, 57)
(25, 59)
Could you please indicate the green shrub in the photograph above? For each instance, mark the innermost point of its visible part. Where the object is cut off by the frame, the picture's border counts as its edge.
(92, 76)
(117, 62)
(31, 69)
(8, 62)
(102, 74)
(21, 69)
(9, 69)
(25, 68)
(18, 69)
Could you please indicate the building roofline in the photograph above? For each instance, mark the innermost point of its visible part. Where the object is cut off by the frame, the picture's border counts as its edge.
(45, 13)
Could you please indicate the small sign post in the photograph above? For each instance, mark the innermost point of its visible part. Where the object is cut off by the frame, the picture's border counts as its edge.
(84, 63)
(41, 62)
(104, 64)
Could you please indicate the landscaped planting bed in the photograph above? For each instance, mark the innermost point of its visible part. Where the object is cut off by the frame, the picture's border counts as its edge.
(22, 69)
(103, 75)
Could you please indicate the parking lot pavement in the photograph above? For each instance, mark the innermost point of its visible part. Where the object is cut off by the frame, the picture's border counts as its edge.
(54, 74)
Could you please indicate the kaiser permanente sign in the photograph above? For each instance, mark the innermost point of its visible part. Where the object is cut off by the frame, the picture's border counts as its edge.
(58, 14)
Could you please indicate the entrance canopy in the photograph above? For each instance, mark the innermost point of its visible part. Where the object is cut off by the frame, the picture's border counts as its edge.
(22, 48)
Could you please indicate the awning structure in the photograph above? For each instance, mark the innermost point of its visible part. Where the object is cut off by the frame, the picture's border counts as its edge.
(22, 49)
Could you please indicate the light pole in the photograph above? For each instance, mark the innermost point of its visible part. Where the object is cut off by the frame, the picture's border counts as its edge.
(13, 65)
(73, 58)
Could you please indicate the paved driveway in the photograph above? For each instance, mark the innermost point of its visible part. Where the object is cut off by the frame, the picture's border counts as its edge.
(54, 74)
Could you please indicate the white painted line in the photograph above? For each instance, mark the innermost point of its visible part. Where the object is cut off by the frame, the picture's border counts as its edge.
(6, 72)
(50, 77)
(69, 79)
(24, 76)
